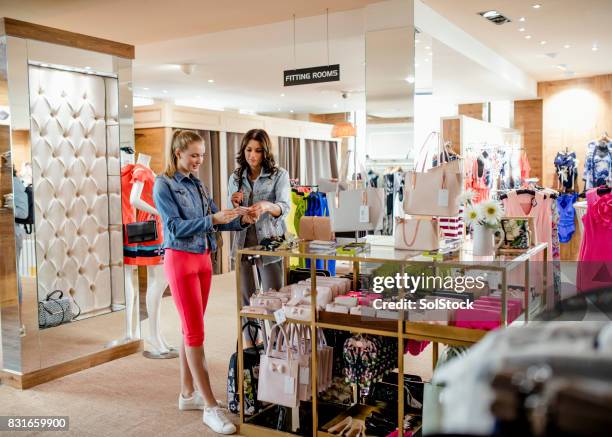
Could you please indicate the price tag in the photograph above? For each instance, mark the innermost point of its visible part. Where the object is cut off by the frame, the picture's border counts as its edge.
(442, 197)
(289, 385)
(364, 214)
(304, 375)
(280, 316)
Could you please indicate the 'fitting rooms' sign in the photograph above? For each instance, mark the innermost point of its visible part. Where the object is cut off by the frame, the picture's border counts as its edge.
(303, 76)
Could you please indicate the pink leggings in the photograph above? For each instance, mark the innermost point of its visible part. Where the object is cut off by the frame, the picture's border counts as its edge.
(189, 275)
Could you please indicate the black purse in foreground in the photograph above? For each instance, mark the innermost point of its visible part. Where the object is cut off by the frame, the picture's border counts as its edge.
(141, 232)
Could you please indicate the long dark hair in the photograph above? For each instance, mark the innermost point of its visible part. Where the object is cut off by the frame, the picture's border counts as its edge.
(268, 163)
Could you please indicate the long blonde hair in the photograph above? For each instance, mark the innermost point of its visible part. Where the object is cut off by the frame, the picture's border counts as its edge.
(181, 139)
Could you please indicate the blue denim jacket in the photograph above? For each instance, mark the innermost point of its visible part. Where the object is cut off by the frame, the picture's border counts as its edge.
(272, 187)
(187, 226)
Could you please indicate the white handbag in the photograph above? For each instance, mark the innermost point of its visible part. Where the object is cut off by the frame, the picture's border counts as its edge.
(345, 208)
(416, 234)
(278, 372)
(435, 191)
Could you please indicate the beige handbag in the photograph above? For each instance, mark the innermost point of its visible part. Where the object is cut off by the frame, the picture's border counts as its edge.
(345, 209)
(315, 228)
(416, 234)
(435, 191)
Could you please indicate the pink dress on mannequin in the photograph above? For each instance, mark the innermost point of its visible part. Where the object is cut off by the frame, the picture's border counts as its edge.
(595, 258)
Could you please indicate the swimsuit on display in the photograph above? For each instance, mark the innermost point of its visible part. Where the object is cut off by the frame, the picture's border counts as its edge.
(150, 252)
(565, 206)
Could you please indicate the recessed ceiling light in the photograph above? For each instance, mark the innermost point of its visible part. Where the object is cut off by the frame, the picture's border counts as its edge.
(125, 106)
(522, 29)
(490, 14)
(537, 6)
(409, 79)
(522, 19)
(282, 94)
(165, 91)
(542, 42)
(594, 48)
(566, 46)
(211, 81)
(426, 59)
(527, 36)
(88, 68)
(278, 109)
(291, 111)
(427, 48)
(146, 89)
(335, 105)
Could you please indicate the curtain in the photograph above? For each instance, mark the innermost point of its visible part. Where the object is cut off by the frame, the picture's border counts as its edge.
(321, 161)
(233, 147)
(289, 155)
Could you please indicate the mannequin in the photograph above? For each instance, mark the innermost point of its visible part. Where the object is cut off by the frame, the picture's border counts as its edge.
(156, 280)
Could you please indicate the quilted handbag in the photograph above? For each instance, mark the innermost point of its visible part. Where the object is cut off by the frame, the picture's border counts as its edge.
(416, 234)
(278, 372)
(141, 232)
(56, 309)
(435, 191)
(250, 357)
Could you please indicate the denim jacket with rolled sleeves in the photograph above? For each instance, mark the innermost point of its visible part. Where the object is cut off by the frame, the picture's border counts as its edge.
(272, 187)
(187, 227)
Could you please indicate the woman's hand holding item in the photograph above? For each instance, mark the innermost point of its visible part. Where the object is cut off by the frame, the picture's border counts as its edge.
(266, 206)
(237, 199)
(224, 216)
(247, 219)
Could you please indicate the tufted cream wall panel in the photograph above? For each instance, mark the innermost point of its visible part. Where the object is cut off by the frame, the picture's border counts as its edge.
(74, 153)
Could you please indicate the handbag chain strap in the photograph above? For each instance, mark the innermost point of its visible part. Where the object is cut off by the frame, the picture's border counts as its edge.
(416, 231)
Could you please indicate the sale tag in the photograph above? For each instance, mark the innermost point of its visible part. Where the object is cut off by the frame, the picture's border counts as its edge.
(304, 375)
(280, 316)
(289, 385)
(364, 214)
(442, 197)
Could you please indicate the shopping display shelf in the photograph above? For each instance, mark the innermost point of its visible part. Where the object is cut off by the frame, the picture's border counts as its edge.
(460, 257)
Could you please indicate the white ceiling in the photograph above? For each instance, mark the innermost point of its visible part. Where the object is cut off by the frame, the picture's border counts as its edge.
(146, 21)
(579, 23)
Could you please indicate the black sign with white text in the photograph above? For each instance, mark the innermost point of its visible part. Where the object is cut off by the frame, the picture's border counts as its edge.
(303, 76)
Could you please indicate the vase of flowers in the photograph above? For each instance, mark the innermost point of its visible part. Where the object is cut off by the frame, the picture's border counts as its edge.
(485, 219)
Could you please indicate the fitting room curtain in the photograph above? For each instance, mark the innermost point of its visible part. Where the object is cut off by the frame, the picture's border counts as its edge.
(289, 155)
(321, 160)
(233, 147)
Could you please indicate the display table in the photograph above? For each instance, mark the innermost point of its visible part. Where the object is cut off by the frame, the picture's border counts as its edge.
(453, 259)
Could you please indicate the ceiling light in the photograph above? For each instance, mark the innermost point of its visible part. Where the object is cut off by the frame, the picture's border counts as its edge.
(125, 106)
(542, 42)
(566, 46)
(409, 79)
(522, 29)
(291, 111)
(537, 6)
(427, 48)
(522, 19)
(527, 36)
(426, 59)
(343, 129)
(594, 48)
(198, 97)
(165, 91)
(278, 109)
(490, 14)
(88, 68)
(282, 94)
(417, 41)
(335, 105)
(146, 89)
(211, 81)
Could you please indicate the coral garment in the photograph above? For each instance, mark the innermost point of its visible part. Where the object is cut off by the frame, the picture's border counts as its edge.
(151, 252)
(595, 257)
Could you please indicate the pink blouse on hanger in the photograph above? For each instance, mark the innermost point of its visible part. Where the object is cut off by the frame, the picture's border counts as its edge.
(595, 257)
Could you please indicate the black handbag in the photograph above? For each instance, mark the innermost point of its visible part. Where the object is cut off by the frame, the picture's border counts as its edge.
(141, 232)
(251, 375)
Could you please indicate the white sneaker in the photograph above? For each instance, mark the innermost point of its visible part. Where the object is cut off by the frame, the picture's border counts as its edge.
(196, 402)
(215, 418)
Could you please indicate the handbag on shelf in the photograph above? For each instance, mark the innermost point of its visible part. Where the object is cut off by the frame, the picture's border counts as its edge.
(416, 234)
(345, 208)
(141, 232)
(278, 372)
(250, 364)
(435, 191)
(56, 310)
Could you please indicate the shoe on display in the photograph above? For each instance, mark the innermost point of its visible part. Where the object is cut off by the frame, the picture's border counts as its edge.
(216, 419)
(196, 402)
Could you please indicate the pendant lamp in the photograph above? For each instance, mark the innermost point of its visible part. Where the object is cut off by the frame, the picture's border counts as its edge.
(343, 129)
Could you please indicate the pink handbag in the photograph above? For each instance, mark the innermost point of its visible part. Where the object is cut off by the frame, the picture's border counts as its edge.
(278, 373)
(435, 191)
(416, 234)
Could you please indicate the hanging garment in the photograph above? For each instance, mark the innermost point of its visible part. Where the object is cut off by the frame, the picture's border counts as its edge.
(476, 180)
(595, 257)
(598, 164)
(565, 207)
(150, 252)
(566, 167)
(525, 167)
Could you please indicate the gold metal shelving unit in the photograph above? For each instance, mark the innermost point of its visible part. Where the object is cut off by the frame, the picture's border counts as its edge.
(400, 329)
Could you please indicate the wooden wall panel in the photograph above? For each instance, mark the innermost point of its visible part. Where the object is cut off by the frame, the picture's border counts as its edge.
(474, 110)
(528, 120)
(152, 141)
(451, 131)
(575, 112)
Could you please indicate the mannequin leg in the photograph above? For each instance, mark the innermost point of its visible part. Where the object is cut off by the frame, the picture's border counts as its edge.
(130, 298)
(156, 285)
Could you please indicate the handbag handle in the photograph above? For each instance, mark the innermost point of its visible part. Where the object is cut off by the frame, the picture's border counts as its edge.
(273, 337)
(50, 295)
(424, 147)
(416, 232)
